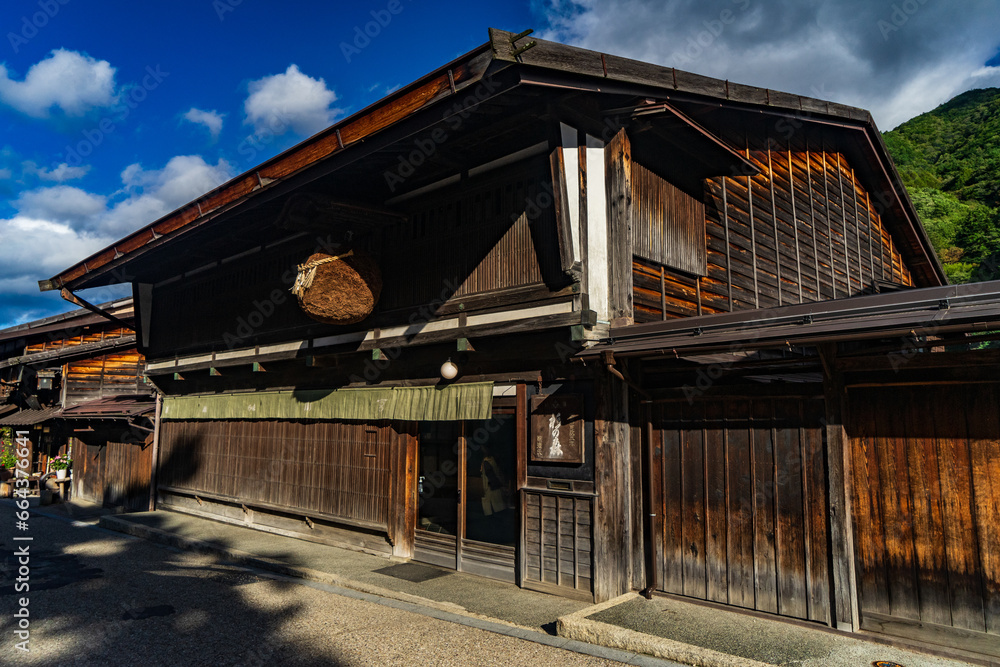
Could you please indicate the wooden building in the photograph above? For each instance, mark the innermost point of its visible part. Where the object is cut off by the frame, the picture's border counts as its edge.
(80, 385)
(602, 290)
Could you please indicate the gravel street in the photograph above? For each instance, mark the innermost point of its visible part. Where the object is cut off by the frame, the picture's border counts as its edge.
(102, 598)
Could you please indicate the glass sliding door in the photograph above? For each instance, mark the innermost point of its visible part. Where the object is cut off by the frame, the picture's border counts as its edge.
(438, 493)
(490, 470)
(467, 516)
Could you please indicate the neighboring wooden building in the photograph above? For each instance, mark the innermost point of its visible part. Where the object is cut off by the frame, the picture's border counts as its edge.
(608, 291)
(81, 384)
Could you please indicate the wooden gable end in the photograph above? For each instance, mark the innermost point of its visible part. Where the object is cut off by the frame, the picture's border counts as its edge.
(803, 229)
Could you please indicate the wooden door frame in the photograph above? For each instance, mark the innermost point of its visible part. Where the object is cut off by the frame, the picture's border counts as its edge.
(407, 547)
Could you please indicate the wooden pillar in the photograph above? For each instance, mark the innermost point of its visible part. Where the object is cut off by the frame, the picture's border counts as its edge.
(155, 457)
(403, 491)
(613, 522)
(838, 449)
(618, 177)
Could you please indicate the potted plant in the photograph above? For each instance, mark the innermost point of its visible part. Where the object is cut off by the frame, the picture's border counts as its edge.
(60, 464)
(8, 460)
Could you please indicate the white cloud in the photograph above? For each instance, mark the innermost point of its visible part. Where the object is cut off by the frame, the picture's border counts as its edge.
(155, 192)
(36, 249)
(291, 100)
(59, 174)
(210, 119)
(895, 59)
(56, 227)
(67, 80)
(63, 204)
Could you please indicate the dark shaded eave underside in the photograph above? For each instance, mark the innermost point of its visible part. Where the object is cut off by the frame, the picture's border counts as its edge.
(928, 311)
(620, 73)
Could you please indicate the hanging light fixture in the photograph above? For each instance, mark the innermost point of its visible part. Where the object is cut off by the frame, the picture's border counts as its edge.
(449, 370)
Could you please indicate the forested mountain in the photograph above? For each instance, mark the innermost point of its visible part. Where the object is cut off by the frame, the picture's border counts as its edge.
(949, 159)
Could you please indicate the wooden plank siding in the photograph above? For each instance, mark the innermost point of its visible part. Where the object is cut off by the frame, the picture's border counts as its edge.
(558, 539)
(926, 463)
(803, 229)
(104, 376)
(344, 470)
(114, 474)
(56, 343)
(744, 504)
(101, 376)
(494, 233)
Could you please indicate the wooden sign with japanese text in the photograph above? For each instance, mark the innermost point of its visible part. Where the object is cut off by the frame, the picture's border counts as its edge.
(557, 428)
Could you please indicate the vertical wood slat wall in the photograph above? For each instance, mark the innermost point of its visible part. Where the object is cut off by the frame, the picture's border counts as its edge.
(926, 493)
(668, 225)
(115, 474)
(743, 504)
(338, 468)
(558, 541)
(493, 234)
(804, 229)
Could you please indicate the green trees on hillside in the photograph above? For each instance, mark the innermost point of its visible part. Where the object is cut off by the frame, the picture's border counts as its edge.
(949, 159)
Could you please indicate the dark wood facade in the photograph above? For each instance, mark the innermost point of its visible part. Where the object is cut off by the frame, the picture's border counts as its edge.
(88, 359)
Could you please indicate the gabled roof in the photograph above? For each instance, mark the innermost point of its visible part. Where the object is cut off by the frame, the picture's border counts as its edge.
(81, 317)
(507, 62)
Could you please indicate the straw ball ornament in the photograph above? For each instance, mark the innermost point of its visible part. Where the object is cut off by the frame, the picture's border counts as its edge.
(338, 289)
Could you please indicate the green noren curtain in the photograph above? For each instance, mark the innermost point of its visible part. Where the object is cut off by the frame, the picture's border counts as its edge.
(450, 403)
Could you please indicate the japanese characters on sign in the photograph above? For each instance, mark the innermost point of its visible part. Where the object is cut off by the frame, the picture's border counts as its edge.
(557, 428)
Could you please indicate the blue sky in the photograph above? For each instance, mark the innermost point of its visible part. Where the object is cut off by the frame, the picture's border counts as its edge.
(114, 115)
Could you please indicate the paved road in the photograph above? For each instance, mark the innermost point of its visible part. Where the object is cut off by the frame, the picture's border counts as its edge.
(101, 598)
